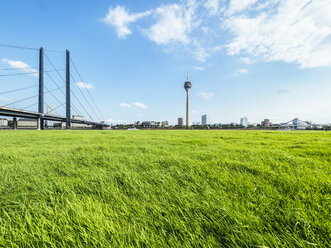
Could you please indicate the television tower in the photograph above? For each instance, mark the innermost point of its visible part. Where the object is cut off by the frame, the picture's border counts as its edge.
(187, 87)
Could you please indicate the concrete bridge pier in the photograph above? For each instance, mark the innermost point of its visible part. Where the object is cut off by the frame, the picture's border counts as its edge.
(14, 123)
(39, 124)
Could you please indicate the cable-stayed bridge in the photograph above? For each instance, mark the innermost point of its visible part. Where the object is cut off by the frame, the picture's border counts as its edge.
(54, 89)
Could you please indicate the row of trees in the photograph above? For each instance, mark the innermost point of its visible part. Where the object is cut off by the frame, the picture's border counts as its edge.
(227, 126)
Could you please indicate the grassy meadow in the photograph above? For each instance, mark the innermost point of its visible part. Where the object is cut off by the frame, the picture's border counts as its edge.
(165, 189)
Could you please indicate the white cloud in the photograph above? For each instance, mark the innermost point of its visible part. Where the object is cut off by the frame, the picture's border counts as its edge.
(21, 65)
(125, 105)
(139, 105)
(4, 99)
(85, 86)
(205, 29)
(199, 68)
(205, 95)
(120, 19)
(240, 72)
(298, 32)
(283, 90)
(201, 54)
(292, 31)
(239, 5)
(247, 60)
(131, 105)
(212, 6)
(174, 24)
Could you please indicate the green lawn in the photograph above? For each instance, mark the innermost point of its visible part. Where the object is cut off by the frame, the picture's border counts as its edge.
(165, 189)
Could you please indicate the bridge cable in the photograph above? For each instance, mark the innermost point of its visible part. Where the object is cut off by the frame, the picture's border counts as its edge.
(73, 106)
(28, 48)
(6, 92)
(84, 96)
(11, 69)
(64, 82)
(86, 88)
(29, 106)
(19, 101)
(60, 88)
(53, 109)
(27, 98)
(22, 73)
(20, 47)
(81, 104)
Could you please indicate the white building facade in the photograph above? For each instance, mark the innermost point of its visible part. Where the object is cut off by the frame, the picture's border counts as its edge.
(3, 123)
(244, 121)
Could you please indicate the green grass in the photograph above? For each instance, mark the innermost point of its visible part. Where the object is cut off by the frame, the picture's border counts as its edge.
(165, 189)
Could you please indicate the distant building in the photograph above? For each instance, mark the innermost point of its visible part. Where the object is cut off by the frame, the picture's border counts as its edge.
(180, 121)
(3, 122)
(266, 123)
(204, 120)
(78, 117)
(301, 125)
(150, 124)
(244, 122)
(77, 125)
(27, 123)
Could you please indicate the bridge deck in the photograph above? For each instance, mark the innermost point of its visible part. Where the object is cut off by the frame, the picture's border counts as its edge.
(34, 115)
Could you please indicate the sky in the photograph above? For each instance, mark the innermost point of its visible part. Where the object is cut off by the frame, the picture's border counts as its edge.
(255, 58)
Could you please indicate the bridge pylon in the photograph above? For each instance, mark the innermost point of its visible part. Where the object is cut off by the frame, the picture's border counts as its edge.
(41, 89)
(68, 114)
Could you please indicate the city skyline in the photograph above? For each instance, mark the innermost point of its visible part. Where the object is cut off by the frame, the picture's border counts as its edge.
(135, 69)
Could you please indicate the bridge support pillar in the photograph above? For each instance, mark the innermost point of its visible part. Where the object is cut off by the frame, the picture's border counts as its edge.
(39, 124)
(14, 123)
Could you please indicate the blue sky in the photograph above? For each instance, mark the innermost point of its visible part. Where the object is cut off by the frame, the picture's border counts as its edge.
(255, 58)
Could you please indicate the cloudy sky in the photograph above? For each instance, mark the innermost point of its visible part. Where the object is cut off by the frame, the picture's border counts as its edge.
(255, 58)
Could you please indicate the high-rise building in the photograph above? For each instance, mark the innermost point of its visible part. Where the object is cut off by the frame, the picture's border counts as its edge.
(187, 87)
(244, 122)
(204, 120)
(180, 121)
(266, 123)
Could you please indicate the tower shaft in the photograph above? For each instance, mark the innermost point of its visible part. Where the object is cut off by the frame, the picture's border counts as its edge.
(187, 108)
(187, 87)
